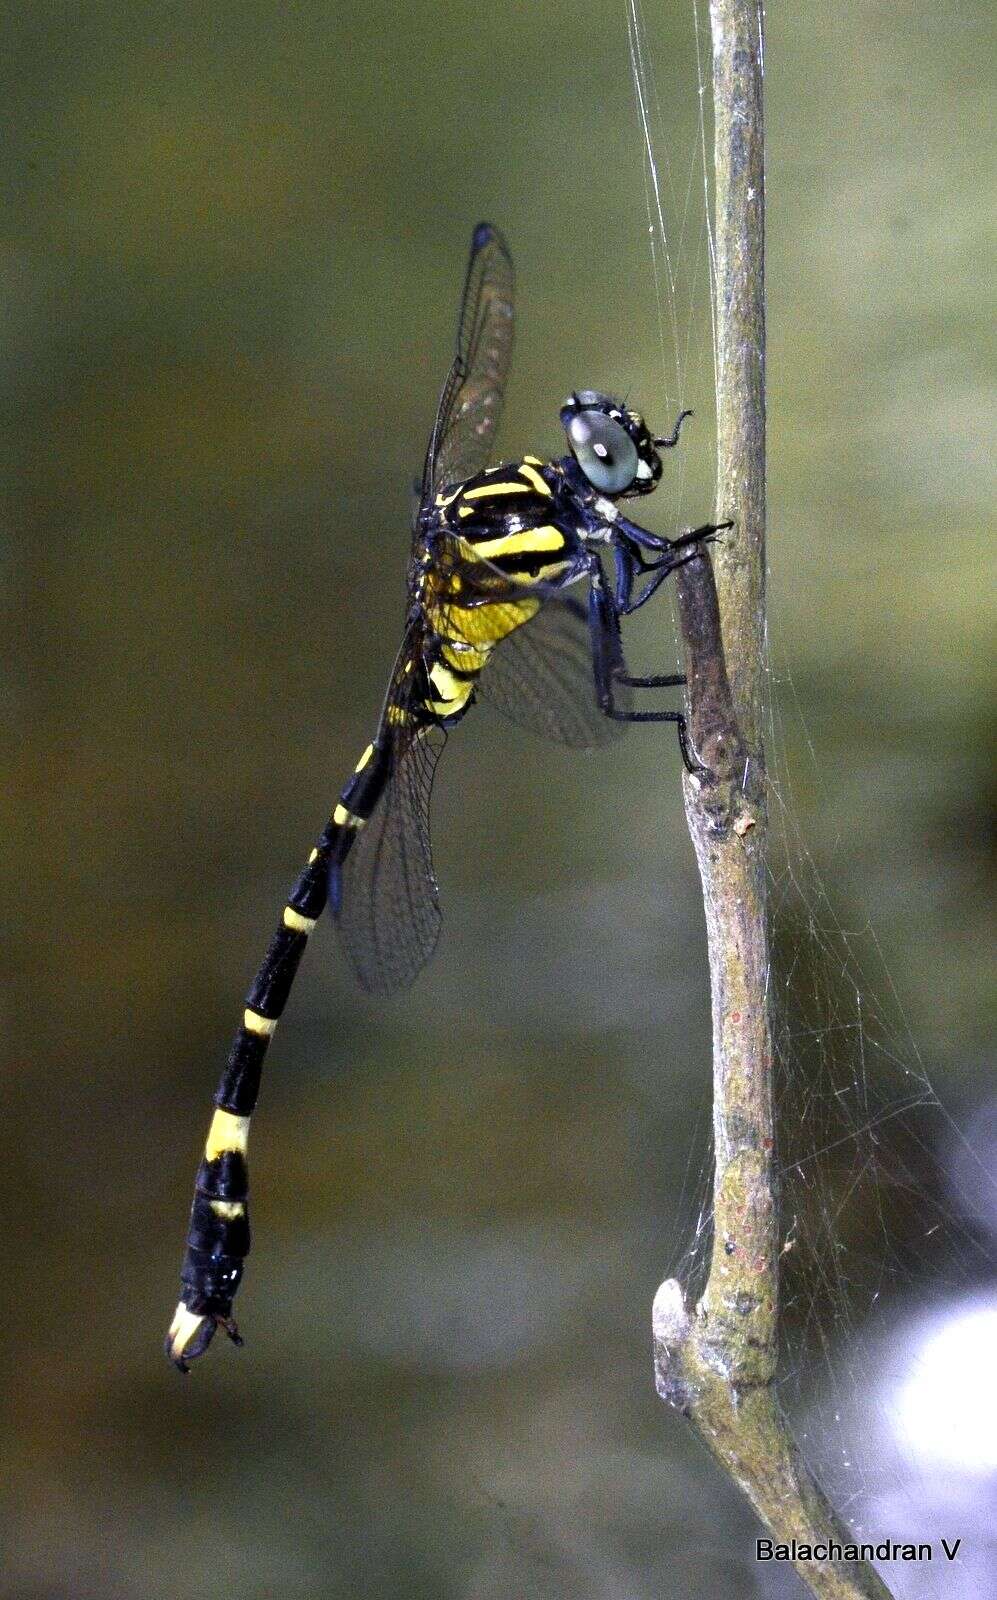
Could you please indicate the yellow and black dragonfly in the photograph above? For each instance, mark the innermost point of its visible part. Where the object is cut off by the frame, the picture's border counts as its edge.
(518, 578)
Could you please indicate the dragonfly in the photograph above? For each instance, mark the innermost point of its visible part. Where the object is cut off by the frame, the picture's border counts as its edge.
(518, 579)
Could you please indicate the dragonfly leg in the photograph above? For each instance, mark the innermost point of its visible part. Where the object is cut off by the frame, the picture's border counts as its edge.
(631, 563)
(703, 535)
(667, 680)
(609, 668)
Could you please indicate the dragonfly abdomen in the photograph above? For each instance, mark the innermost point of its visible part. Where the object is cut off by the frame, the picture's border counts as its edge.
(218, 1237)
(355, 809)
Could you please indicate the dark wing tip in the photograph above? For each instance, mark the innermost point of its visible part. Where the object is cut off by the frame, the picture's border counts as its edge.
(487, 233)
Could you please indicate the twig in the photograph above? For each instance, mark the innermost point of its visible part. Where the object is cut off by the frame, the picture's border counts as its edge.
(716, 1361)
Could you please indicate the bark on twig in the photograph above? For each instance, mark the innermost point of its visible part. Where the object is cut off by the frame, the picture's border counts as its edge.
(716, 1361)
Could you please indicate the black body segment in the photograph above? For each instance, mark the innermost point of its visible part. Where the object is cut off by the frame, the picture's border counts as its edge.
(272, 985)
(307, 898)
(240, 1083)
(518, 579)
(218, 1236)
(224, 1178)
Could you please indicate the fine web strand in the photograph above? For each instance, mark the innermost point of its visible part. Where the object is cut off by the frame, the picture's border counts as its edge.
(707, 199)
(874, 1237)
(680, 240)
(682, 257)
(680, 247)
(657, 232)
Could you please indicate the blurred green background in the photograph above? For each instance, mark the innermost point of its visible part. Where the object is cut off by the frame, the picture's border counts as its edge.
(231, 247)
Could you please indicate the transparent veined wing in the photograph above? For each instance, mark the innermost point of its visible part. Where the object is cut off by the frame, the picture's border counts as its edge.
(386, 902)
(538, 668)
(541, 677)
(470, 407)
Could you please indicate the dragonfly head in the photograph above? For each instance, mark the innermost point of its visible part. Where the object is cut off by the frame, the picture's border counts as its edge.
(613, 446)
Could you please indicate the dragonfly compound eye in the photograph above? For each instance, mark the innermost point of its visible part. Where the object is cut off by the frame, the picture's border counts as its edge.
(604, 450)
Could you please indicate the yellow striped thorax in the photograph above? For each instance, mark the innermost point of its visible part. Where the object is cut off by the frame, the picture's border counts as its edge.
(507, 518)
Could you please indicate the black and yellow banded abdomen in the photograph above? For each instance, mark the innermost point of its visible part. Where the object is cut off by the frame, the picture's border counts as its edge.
(218, 1238)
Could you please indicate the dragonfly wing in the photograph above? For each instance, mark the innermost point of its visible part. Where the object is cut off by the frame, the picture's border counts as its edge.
(540, 676)
(470, 407)
(388, 903)
(384, 897)
(539, 667)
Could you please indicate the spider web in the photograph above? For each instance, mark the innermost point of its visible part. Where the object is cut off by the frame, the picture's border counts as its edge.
(879, 1248)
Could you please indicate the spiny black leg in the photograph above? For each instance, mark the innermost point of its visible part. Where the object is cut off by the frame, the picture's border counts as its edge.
(609, 666)
(693, 766)
(629, 565)
(642, 539)
(704, 535)
(689, 760)
(668, 680)
(661, 571)
(681, 727)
